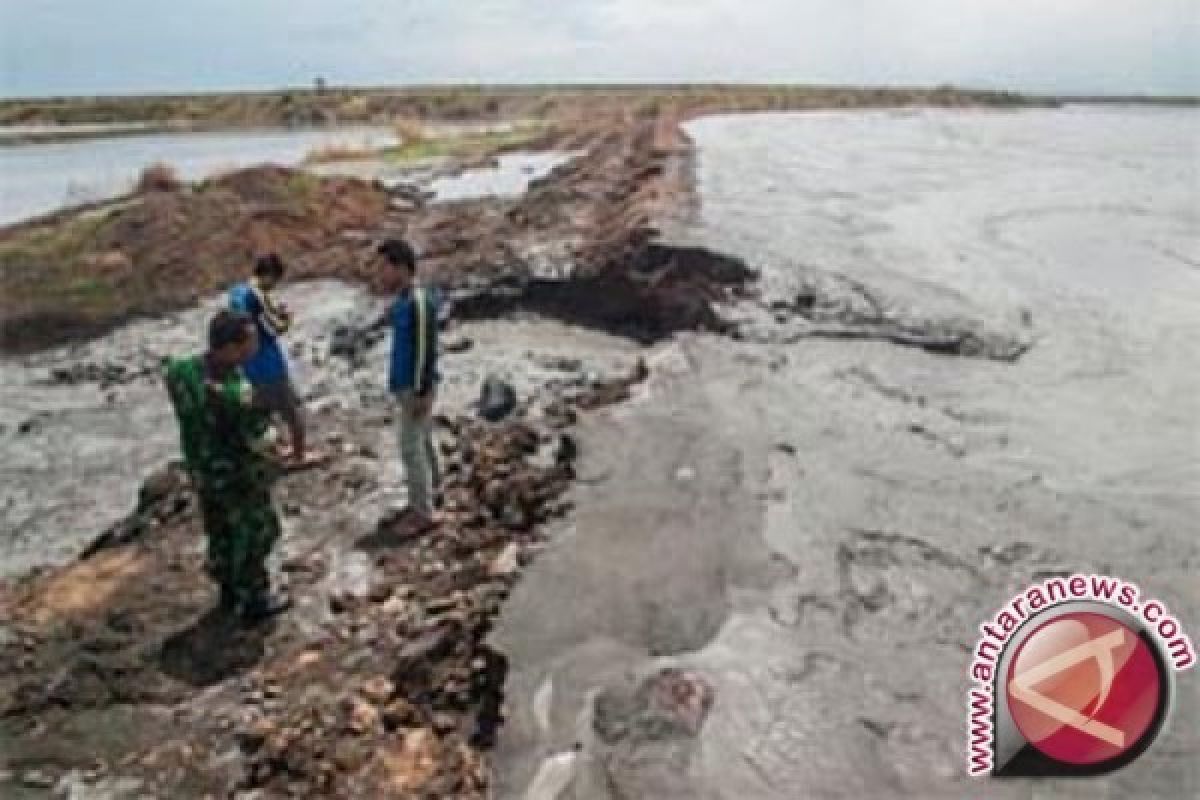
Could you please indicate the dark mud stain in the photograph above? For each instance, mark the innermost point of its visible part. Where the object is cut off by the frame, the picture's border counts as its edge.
(662, 290)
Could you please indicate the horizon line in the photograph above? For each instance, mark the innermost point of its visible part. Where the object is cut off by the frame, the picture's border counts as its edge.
(599, 86)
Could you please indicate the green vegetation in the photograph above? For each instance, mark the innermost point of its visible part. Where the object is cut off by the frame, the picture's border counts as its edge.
(302, 187)
(462, 145)
(418, 143)
(377, 106)
(41, 265)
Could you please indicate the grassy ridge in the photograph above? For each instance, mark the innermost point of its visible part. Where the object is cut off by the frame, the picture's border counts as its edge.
(380, 105)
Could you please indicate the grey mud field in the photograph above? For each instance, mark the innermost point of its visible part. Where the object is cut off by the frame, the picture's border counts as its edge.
(817, 526)
(811, 517)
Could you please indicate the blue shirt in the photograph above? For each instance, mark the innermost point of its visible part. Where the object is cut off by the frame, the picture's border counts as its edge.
(268, 364)
(413, 364)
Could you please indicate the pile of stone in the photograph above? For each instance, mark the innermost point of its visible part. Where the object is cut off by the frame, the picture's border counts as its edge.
(424, 690)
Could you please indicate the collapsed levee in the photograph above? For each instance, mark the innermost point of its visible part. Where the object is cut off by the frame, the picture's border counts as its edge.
(662, 290)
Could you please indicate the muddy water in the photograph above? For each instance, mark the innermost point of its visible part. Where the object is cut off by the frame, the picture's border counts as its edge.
(818, 528)
(510, 177)
(37, 178)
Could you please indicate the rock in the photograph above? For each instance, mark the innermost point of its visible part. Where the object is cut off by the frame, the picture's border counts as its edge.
(352, 342)
(458, 345)
(341, 602)
(361, 716)
(160, 484)
(349, 755)
(412, 763)
(378, 689)
(507, 562)
(307, 658)
(444, 723)
(380, 593)
(95, 772)
(428, 647)
(400, 713)
(672, 703)
(497, 399)
(559, 363)
(38, 779)
(252, 737)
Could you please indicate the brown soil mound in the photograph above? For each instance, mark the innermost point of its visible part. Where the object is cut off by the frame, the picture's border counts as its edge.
(79, 274)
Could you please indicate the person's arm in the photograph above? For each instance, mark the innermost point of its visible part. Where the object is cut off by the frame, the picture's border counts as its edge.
(426, 349)
(183, 403)
(274, 316)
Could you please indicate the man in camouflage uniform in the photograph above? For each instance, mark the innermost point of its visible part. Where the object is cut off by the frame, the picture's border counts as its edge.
(223, 436)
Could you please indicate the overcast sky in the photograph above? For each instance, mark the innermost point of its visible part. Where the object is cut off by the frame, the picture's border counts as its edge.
(82, 46)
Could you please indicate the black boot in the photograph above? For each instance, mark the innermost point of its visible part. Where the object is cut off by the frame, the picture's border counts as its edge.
(265, 604)
(227, 600)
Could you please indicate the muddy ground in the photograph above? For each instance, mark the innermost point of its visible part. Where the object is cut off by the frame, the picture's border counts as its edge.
(379, 683)
(817, 524)
(738, 546)
(118, 678)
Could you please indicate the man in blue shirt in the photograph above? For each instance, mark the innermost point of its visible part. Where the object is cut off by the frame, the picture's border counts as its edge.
(267, 371)
(413, 376)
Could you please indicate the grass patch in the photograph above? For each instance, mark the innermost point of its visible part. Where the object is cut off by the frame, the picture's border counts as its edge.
(41, 267)
(303, 186)
(420, 143)
(460, 145)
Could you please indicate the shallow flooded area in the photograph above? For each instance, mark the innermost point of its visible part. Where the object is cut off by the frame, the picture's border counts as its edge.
(38, 178)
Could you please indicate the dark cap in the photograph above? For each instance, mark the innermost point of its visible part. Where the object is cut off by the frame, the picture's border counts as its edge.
(228, 327)
(398, 253)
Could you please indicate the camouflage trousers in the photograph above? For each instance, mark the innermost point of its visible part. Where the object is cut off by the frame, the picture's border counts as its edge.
(242, 527)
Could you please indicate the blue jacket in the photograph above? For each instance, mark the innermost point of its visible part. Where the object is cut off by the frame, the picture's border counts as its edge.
(414, 318)
(268, 364)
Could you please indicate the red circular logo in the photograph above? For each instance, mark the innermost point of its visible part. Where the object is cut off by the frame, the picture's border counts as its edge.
(1084, 688)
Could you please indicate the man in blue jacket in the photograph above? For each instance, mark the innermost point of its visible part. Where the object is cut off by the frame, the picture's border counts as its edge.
(267, 370)
(413, 376)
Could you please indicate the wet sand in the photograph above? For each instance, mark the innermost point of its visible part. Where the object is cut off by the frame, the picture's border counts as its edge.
(818, 527)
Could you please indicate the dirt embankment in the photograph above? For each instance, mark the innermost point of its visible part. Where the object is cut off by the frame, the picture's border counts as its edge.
(77, 274)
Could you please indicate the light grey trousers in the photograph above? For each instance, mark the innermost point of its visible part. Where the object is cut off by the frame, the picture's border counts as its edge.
(417, 453)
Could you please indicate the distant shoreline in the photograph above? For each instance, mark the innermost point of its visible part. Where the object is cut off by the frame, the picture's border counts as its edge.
(368, 105)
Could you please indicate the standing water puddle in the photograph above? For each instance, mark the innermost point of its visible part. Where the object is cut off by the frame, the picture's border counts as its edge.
(510, 177)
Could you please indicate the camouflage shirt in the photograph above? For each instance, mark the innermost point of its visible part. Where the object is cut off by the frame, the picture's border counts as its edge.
(220, 430)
